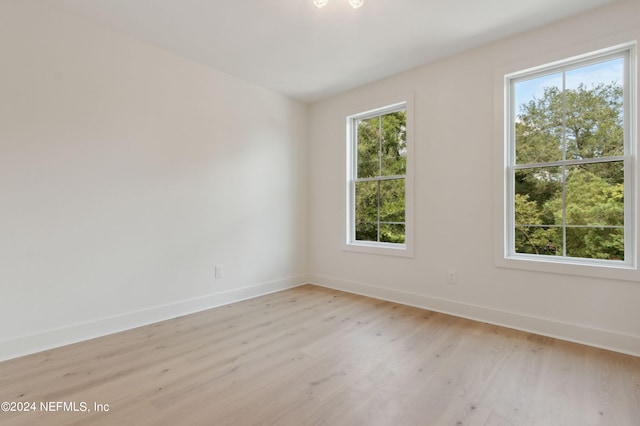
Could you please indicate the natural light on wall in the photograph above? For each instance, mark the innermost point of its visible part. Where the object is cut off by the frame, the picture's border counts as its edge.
(354, 3)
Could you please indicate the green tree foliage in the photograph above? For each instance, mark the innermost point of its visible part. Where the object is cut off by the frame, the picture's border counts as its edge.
(587, 199)
(381, 152)
(593, 206)
(531, 236)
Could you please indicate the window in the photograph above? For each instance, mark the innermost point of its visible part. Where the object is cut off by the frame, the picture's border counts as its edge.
(570, 161)
(378, 184)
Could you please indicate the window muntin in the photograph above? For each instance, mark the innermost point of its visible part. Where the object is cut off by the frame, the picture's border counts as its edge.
(377, 177)
(570, 162)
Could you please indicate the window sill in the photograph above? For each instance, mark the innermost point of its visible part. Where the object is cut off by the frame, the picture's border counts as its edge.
(385, 249)
(611, 271)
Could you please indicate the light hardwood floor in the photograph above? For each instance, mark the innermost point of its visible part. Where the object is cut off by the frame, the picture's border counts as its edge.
(314, 356)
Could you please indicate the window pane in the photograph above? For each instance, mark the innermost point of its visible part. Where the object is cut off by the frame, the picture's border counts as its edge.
(595, 243)
(595, 194)
(392, 211)
(538, 202)
(369, 147)
(392, 233)
(537, 192)
(595, 211)
(366, 211)
(594, 117)
(538, 119)
(394, 144)
(543, 240)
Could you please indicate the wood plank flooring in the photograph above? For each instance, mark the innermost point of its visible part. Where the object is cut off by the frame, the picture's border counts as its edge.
(314, 356)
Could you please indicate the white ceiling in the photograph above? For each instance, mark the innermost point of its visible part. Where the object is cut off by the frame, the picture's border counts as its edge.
(308, 53)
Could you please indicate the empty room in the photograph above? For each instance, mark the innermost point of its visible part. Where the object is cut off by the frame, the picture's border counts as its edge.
(319, 212)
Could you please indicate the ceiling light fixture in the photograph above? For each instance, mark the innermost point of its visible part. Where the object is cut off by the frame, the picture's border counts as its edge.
(354, 3)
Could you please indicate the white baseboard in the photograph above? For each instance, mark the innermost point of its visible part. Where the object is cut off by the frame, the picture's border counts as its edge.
(50, 339)
(604, 339)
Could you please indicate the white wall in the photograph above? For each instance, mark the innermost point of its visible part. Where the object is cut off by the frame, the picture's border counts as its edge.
(126, 174)
(455, 181)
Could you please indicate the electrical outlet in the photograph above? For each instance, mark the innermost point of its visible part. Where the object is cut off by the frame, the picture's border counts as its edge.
(219, 271)
(452, 277)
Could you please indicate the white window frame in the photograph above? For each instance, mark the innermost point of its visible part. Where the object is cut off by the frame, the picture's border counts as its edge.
(371, 247)
(505, 249)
